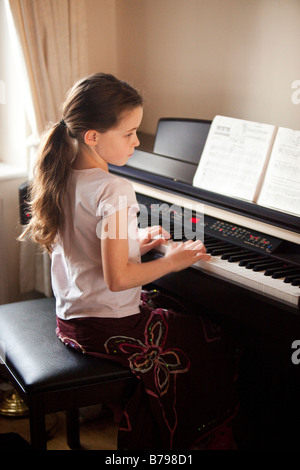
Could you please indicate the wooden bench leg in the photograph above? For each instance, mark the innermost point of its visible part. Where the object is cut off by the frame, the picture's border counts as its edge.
(73, 432)
(37, 427)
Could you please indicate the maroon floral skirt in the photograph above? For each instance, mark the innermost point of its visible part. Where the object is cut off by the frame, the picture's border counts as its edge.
(185, 364)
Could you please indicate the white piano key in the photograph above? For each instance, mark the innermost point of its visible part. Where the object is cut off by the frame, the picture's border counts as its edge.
(254, 281)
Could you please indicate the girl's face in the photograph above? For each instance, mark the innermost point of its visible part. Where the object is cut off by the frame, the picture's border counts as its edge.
(117, 144)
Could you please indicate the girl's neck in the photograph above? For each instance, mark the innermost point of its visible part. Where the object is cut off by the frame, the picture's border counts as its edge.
(86, 159)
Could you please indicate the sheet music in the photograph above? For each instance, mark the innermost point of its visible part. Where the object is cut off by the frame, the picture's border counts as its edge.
(234, 157)
(281, 188)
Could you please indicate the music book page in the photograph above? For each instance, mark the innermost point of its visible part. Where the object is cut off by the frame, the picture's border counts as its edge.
(235, 157)
(281, 187)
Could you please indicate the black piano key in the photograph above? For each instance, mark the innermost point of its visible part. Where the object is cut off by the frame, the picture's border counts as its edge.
(289, 279)
(240, 256)
(265, 265)
(208, 239)
(285, 272)
(254, 263)
(210, 248)
(221, 251)
(249, 259)
(216, 243)
(296, 282)
(271, 271)
(233, 252)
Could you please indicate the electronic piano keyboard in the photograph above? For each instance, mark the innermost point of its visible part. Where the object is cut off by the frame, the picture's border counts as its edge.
(253, 247)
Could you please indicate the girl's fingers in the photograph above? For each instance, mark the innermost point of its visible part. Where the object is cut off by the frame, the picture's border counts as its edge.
(155, 231)
(195, 245)
(200, 255)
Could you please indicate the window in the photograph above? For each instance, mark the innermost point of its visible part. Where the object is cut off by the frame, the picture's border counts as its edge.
(13, 122)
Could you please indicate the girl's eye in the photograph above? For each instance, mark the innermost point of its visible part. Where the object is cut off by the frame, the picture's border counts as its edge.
(128, 135)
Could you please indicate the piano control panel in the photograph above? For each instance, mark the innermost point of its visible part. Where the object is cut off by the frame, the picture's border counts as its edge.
(241, 235)
(179, 221)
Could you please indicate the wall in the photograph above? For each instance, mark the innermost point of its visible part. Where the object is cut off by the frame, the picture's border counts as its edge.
(102, 37)
(12, 116)
(199, 58)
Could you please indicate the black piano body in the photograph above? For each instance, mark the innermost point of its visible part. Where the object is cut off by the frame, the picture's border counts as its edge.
(251, 287)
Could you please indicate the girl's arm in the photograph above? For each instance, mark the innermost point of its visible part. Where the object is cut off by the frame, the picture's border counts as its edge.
(120, 274)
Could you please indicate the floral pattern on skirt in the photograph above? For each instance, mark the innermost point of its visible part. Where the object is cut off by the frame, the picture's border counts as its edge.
(165, 364)
(186, 368)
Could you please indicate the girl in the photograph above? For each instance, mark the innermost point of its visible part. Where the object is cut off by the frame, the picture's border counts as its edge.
(87, 220)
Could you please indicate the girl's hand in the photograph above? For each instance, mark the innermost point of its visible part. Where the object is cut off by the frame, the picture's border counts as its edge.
(184, 254)
(121, 274)
(152, 237)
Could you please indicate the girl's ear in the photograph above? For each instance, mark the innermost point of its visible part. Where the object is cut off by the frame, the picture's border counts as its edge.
(91, 138)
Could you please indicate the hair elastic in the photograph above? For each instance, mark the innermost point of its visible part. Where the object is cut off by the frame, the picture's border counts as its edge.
(62, 123)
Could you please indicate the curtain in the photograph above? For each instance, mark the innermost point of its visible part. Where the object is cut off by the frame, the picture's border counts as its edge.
(51, 46)
(3, 266)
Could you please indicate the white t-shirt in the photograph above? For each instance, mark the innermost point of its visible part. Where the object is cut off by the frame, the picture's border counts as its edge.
(76, 267)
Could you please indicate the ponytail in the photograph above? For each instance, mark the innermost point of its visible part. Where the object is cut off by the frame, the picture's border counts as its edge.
(46, 191)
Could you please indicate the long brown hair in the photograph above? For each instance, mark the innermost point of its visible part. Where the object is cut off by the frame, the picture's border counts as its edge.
(95, 102)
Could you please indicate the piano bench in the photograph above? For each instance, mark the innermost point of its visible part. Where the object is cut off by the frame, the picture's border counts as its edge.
(51, 377)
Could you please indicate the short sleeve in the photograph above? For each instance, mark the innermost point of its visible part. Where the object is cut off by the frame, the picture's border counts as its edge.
(117, 194)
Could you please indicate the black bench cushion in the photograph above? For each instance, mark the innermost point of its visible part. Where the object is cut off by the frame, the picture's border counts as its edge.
(37, 358)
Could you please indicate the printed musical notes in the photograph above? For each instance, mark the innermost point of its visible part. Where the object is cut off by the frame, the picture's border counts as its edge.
(281, 187)
(252, 161)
